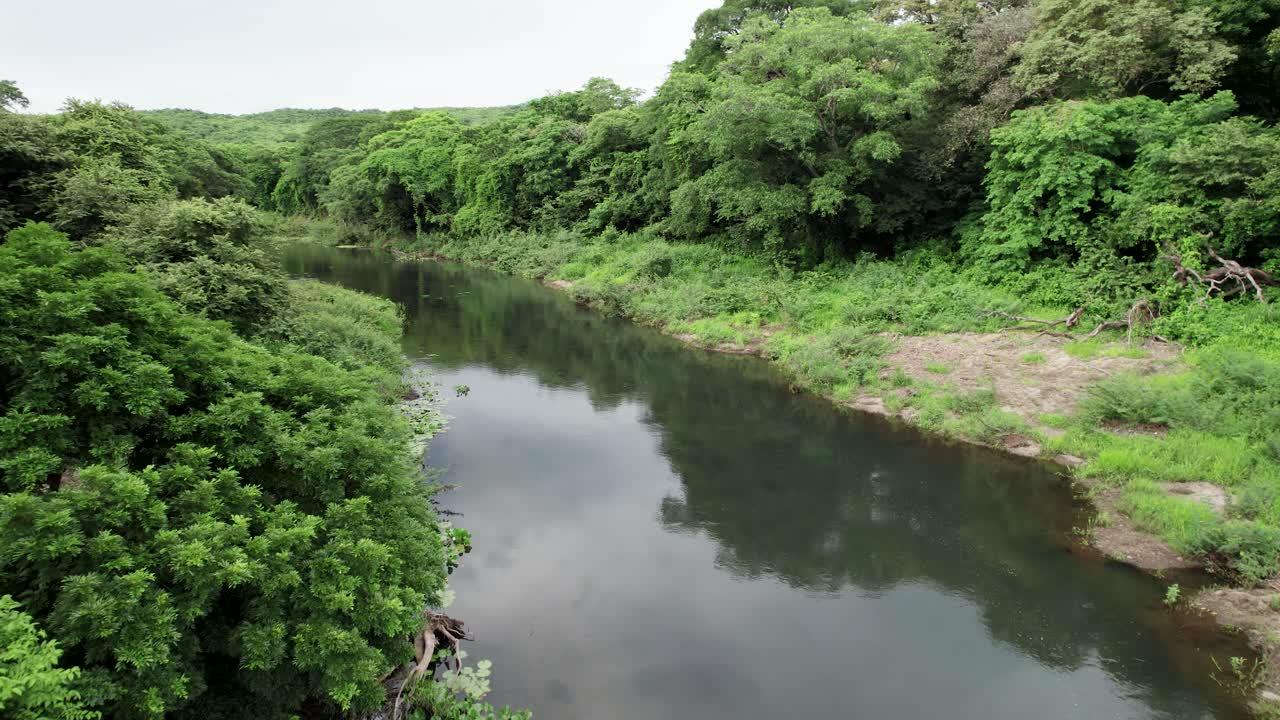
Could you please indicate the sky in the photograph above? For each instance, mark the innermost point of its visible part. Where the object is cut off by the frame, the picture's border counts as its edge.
(242, 56)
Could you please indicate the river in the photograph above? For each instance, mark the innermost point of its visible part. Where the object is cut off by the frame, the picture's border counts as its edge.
(666, 533)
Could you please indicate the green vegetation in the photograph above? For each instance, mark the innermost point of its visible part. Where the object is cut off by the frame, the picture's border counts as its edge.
(32, 686)
(207, 498)
(209, 506)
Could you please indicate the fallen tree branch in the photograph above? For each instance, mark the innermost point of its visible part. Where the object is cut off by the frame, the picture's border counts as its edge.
(1108, 325)
(1069, 321)
(1237, 278)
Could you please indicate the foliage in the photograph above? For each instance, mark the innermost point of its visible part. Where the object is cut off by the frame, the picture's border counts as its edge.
(86, 167)
(1112, 186)
(32, 686)
(814, 131)
(194, 515)
(804, 117)
(282, 127)
(29, 160)
(349, 330)
(209, 256)
(438, 701)
(195, 518)
(326, 146)
(1112, 48)
(11, 96)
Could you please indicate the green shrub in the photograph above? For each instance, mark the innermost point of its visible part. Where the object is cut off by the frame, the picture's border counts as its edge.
(349, 329)
(32, 686)
(1252, 549)
(193, 516)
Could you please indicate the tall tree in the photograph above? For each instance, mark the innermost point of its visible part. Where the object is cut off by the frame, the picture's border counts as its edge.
(11, 97)
(802, 117)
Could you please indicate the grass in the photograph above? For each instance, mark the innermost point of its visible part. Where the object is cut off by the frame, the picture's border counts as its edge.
(1217, 422)
(1057, 421)
(830, 330)
(1096, 347)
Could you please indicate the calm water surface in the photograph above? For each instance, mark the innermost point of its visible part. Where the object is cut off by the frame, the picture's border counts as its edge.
(665, 533)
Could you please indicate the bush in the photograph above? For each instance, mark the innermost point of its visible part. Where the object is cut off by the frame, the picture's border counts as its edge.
(349, 329)
(194, 516)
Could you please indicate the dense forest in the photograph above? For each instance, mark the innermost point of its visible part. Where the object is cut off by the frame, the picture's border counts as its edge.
(208, 504)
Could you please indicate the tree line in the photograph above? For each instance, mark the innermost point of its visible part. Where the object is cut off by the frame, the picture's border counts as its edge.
(1058, 146)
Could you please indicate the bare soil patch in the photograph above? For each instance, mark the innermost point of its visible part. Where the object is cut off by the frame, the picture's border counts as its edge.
(1050, 382)
(1215, 496)
(1123, 542)
(1020, 445)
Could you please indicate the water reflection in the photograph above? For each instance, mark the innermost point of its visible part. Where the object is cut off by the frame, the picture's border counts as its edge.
(664, 533)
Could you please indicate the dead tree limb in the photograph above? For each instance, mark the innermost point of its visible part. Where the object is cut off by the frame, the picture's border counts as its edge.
(1230, 278)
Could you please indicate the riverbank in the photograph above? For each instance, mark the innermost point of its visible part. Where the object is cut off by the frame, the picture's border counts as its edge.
(918, 341)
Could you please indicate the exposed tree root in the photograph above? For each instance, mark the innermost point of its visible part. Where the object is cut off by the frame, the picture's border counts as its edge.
(1142, 312)
(440, 631)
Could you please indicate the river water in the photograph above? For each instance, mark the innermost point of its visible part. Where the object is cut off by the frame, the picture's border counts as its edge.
(666, 533)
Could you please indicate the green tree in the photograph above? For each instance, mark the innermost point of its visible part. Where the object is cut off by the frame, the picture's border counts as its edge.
(327, 145)
(11, 97)
(801, 119)
(1106, 185)
(1111, 48)
(212, 257)
(208, 527)
(716, 26)
(1252, 27)
(118, 158)
(29, 162)
(408, 177)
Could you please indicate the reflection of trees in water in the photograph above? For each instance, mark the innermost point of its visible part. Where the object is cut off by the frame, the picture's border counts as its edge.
(791, 489)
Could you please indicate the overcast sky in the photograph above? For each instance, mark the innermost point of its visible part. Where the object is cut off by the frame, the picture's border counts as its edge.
(239, 56)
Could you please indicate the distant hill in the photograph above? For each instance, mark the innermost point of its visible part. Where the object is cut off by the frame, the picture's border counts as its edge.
(286, 125)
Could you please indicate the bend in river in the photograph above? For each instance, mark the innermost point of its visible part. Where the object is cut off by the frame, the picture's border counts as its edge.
(665, 533)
